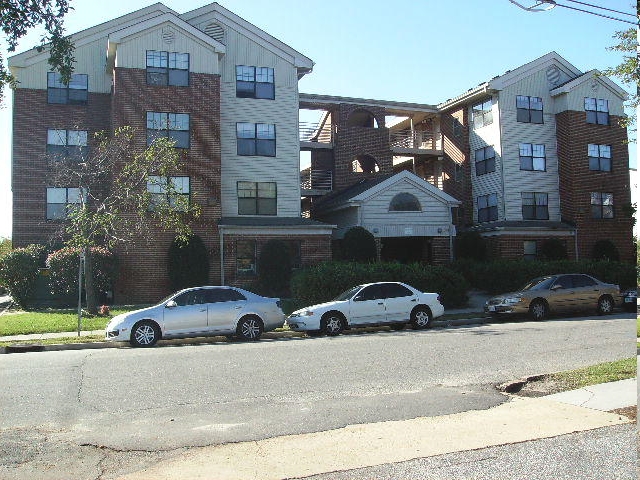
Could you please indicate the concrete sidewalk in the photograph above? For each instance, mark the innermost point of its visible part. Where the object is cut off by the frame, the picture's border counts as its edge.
(295, 456)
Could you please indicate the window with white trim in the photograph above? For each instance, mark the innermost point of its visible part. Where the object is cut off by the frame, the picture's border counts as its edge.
(167, 68)
(597, 110)
(530, 249)
(535, 206)
(532, 157)
(529, 109)
(171, 125)
(599, 157)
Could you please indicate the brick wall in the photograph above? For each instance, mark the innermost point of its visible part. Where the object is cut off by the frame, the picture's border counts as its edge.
(352, 141)
(577, 182)
(32, 117)
(512, 246)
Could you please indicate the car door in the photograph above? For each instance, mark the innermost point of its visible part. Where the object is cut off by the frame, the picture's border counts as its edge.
(367, 306)
(587, 292)
(186, 313)
(224, 307)
(561, 294)
(398, 302)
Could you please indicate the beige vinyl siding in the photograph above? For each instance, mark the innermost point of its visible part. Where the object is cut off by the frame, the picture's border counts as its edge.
(132, 51)
(514, 132)
(282, 112)
(344, 219)
(487, 136)
(574, 100)
(90, 60)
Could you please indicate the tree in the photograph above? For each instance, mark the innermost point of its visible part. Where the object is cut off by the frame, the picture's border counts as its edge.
(17, 17)
(359, 245)
(627, 72)
(124, 195)
(188, 263)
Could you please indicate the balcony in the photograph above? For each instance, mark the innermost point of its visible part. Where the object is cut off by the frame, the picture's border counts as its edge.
(315, 182)
(415, 142)
(315, 135)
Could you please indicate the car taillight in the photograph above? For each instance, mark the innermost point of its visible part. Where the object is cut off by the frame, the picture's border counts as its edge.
(439, 299)
(279, 305)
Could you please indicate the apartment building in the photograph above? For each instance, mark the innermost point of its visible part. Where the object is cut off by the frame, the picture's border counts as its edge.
(224, 90)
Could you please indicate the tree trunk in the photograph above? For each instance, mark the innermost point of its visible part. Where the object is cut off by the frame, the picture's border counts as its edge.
(90, 293)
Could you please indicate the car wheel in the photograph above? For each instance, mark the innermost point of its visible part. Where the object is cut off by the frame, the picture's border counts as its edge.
(332, 324)
(605, 305)
(421, 318)
(145, 334)
(538, 310)
(249, 328)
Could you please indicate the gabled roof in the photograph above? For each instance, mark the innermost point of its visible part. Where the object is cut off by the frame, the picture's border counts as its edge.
(592, 75)
(362, 191)
(217, 13)
(511, 76)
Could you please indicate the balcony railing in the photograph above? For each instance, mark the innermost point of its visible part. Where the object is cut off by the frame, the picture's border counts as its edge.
(417, 139)
(314, 132)
(316, 180)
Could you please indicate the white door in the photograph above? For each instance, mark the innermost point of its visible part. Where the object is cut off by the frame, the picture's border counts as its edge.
(367, 306)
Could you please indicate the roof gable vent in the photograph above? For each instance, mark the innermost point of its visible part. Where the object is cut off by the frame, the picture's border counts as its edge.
(215, 31)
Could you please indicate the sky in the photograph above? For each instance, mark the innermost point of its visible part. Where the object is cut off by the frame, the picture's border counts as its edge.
(422, 51)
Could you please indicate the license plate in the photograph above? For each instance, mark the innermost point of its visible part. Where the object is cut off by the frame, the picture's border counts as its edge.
(492, 308)
(629, 300)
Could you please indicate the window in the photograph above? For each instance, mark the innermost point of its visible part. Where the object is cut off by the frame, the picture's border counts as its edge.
(404, 202)
(173, 191)
(172, 125)
(487, 208)
(485, 159)
(246, 257)
(529, 109)
(257, 198)
(256, 139)
(482, 114)
(581, 281)
(75, 93)
(255, 82)
(597, 110)
(535, 206)
(167, 68)
(219, 295)
(395, 290)
(457, 127)
(601, 205)
(67, 143)
(532, 157)
(530, 248)
(61, 201)
(600, 157)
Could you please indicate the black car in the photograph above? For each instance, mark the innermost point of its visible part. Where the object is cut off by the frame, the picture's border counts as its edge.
(629, 300)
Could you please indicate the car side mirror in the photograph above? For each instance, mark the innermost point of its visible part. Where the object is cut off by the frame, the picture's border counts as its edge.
(556, 287)
(171, 304)
(358, 298)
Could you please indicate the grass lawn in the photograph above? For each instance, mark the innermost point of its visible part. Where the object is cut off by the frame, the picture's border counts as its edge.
(51, 321)
(596, 374)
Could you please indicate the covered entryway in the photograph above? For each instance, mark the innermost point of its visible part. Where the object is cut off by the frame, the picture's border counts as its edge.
(406, 249)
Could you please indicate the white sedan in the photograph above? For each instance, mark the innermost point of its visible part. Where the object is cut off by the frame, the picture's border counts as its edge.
(198, 311)
(382, 303)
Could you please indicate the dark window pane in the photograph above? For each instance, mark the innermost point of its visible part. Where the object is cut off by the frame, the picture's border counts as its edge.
(591, 117)
(480, 168)
(605, 164)
(179, 78)
(267, 206)
(265, 90)
(493, 213)
(523, 115)
(245, 89)
(536, 116)
(526, 163)
(156, 76)
(603, 118)
(594, 163)
(57, 95)
(266, 148)
(491, 165)
(181, 138)
(246, 146)
(247, 206)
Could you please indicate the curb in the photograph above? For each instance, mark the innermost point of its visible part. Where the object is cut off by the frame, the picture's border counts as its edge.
(57, 347)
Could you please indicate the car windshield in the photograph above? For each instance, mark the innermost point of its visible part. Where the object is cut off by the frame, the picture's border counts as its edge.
(540, 283)
(348, 294)
(166, 299)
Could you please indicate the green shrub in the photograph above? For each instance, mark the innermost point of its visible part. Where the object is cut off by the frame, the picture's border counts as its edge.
(471, 245)
(19, 271)
(274, 269)
(359, 245)
(188, 263)
(63, 270)
(605, 250)
(553, 249)
(325, 281)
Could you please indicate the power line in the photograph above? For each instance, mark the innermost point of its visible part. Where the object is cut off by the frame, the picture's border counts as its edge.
(550, 4)
(596, 13)
(602, 8)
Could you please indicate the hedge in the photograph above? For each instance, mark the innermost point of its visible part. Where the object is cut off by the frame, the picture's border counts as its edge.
(19, 271)
(325, 281)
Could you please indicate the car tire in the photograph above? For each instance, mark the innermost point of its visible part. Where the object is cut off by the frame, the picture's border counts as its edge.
(333, 324)
(421, 318)
(250, 328)
(538, 310)
(145, 334)
(605, 305)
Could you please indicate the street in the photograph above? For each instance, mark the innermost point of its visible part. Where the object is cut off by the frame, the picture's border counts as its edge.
(103, 413)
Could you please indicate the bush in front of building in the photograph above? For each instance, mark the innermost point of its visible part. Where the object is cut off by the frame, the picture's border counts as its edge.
(605, 250)
(471, 245)
(553, 249)
(63, 271)
(19, 271)
(325, 281)
(188, 263)
(358, 245)
(502, 276)
(274, 269)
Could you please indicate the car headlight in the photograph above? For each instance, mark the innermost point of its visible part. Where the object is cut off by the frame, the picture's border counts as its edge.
(513, 300)
(303, 313)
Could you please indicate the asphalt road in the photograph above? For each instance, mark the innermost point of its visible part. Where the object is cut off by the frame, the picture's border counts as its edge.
(98, 413)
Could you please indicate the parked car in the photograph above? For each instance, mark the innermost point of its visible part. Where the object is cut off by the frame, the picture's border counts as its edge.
(629, 300)
(382, 303)
(198, 311)
(556, 294)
